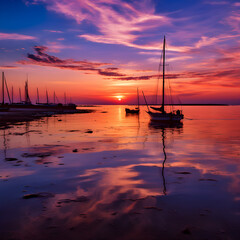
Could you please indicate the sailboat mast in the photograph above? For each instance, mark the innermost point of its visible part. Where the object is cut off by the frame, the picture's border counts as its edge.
(27, 98)
(163, 74)
(20, 97)
(47, 96)
(145, 101)
(37, 96)
(2, 87)
(138, 97)
(9, 98)
(26, 91)
(12, 94)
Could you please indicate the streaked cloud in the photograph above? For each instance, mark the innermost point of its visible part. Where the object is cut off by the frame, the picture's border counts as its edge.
(225, 77)
(217, 2)
(236, 4)
(54, 31)
(8, 67)
(56, 47)
(216, 78)
(41, 58)
(127, 23)
(170, 59)
(116, 22)
(234, 21)
(15, 36)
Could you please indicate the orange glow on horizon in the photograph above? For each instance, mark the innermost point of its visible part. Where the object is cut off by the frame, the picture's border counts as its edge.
(82, 91)
(119, 97)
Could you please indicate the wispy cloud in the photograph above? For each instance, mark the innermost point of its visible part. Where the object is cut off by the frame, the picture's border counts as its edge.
(171, 59)
(15, 36)
(236, 4)
(116, 22)
(128, 23)
(148, 77)
(56, 47)
(41, 58)
(217, 2)
(234, 21)
(8, 67)
(54, 31)
(207, 41)
(207, 79)
(226, 77)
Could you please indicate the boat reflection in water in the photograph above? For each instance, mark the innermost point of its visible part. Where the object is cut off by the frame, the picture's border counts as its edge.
(173, 126)
(163, 127)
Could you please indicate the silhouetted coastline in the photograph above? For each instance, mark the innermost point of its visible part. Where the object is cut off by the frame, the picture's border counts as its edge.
(9, 118)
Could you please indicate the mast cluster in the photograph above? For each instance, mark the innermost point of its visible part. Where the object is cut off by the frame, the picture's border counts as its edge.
(27, 99)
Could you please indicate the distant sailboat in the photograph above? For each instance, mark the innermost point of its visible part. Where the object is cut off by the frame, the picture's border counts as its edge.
(136, 110)
(27, 105)
(4, 107)
(160, 114)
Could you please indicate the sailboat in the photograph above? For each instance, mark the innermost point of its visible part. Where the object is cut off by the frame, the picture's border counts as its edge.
(28, 106)
(4, 107)
(136, 110)
(159, 113)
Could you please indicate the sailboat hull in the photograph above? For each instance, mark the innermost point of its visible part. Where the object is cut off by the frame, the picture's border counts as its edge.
(165, 117)
(4, 108)
(136, 111)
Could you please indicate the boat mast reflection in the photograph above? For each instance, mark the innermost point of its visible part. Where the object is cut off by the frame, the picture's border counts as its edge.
(165, 158)
(4, 144)
(27, 133)
(164, 127)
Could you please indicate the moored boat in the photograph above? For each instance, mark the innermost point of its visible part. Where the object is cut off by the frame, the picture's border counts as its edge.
(163, 116)
(136, 110)
(27, 106)
(159, 113)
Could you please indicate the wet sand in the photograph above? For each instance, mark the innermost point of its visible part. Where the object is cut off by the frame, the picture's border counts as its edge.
(108, 175)
(11, 117)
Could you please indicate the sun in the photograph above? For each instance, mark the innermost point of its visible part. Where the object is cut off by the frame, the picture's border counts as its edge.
(119, 98)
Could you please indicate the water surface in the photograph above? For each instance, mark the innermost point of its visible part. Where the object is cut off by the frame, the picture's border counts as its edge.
(108, 175)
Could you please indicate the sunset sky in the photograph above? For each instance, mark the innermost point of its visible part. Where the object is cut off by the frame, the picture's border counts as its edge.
(101, 51)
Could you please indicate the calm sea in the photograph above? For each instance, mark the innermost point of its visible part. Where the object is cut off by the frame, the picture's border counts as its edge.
(108, 175)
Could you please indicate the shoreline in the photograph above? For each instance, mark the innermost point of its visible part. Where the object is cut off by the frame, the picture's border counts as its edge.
(8, 118)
